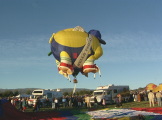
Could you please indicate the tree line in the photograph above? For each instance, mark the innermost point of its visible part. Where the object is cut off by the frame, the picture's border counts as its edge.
(11, 93)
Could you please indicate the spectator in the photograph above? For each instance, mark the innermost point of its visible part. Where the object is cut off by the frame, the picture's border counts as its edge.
(67, 100)
(158, 96)
(47, 102)
(37, 105)
(56, 104)
(24, 104)
(138, 97)
(64, 102)
(75, 102)
(71, 101)
(135, 97)
(131, 98)
(83, 101)
(20, 104)
(12, 101)
(103, 102)
(95, 102)
(79, 101)
(88, 101)
(151, 98)
(117, 102)
(145, 96)
(120, 100)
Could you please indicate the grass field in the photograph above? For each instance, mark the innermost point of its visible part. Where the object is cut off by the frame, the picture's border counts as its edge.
(142, 104)
(80, 113)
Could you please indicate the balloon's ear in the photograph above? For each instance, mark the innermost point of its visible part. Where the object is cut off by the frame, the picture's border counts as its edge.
(51, 38)
(78, 28)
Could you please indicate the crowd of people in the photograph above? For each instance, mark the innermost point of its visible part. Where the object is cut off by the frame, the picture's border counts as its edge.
(72, 101)
(84, 101)
(152, 97)
(64, 102)
(20, 103)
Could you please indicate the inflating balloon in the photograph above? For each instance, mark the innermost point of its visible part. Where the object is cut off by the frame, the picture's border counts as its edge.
(76, 50)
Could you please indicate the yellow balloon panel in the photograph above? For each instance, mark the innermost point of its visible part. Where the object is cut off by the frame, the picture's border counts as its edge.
(71, 38)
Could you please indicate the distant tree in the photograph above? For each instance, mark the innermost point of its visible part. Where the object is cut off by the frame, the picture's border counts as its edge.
(15, 93)
(83, 92)
(140, 89)
(78, 92)
(66, 93)
(28, 92)
(8, 93)
(1, 95)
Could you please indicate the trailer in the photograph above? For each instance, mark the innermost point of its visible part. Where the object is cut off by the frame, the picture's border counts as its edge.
(45, 96)
(108, 92)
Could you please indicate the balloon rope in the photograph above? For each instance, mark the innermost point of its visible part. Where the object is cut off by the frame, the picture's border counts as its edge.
(99, 72)
(74, 88)
(94, 75)
(68, 78)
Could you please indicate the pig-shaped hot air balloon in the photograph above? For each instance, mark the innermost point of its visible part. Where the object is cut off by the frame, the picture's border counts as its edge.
(76, 50)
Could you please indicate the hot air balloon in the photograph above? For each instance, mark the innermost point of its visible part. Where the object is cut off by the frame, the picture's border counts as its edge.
(75, 50)
(150, 86)
(158, 88)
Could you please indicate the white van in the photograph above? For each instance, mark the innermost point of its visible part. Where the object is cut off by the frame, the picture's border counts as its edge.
(108, 92)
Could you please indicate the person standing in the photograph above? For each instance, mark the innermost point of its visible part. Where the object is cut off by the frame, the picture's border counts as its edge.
(20, 104)
(37, 105)
(64, 102)
(71, 99)
(138, 97)
(145, 96)
(88, 101)
(24, 104)
(103, 102)
(117, 102)
(158, 96)
(56, 101)
(120, 99)
(151, 98)
(95, 102)
(135, 97)
(79, 101)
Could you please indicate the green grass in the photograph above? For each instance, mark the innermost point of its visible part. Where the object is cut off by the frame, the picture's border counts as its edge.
(142, 104)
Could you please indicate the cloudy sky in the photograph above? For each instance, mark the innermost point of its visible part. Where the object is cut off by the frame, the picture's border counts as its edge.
(131, 28)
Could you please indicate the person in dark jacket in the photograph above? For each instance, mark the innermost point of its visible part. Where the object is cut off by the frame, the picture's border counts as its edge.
(37, 105)
(20, 104)
(95, 102)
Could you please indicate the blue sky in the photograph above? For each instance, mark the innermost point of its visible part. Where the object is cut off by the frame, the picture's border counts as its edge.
(131, 28)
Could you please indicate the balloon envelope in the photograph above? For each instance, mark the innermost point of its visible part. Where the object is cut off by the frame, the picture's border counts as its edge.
(151, 86)
(158, 88)
(76, 50)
